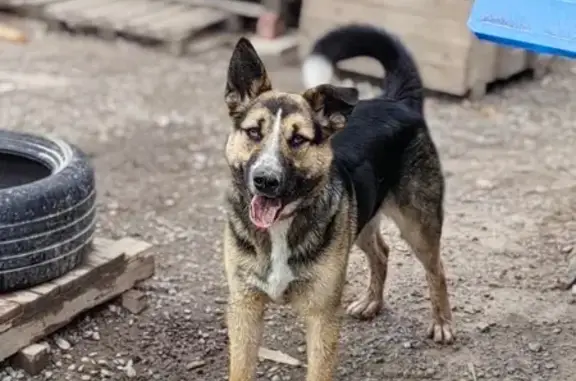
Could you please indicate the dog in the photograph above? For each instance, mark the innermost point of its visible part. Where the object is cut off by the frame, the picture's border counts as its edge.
(311, 174)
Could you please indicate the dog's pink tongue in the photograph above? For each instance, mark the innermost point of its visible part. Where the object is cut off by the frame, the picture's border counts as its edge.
(263, 211)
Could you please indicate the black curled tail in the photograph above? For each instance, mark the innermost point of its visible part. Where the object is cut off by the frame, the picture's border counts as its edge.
(402, 80)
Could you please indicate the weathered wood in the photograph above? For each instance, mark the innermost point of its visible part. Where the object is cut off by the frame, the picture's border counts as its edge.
(33, 358)
(141, 25)
(31, 8)
(9, 311)
(179, 27)
(110, 270)
(242, 8)
(71, 5)
(134, 301)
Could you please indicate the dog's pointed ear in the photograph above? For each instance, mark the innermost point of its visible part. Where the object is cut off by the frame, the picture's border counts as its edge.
(331, 105)
(247, 77)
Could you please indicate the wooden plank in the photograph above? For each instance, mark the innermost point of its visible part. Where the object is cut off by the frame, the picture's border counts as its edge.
(141, 25)
(9, 310)
(33, 358)
(35, 3)
(181, 26)
(92, 10)
(439, 9)
(509, 62)
(31, 8)
(115, 269)
(242, 8)
(115, 16)
(61, 7)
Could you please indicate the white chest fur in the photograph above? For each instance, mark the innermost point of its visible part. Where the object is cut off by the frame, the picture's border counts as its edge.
(280, 274)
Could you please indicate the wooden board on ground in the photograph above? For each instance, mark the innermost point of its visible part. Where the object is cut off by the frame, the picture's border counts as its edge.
(31, 8)
(237, 7)
(112, 268)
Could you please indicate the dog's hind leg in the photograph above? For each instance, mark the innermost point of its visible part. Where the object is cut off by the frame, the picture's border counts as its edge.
(421, 227)
(371, 242)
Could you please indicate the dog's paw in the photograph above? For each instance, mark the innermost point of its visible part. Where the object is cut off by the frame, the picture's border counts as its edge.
(441, 333)
(365, 307)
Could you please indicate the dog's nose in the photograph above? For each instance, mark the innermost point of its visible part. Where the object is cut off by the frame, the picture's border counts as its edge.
(266, 183)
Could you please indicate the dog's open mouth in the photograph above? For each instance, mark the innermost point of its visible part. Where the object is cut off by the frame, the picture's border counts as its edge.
(265, 211)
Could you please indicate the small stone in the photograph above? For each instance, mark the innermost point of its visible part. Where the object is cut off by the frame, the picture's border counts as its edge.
(48, 374)
(407, 345)
(535, 347)
(85, 377)
(485, 184)
(276, 378)
(129, 369)
(567, 249)
(105, 373)
(96, 336)
(483, 327)
(63, 344)
(195, 364)
(557, 330)
(550, 365)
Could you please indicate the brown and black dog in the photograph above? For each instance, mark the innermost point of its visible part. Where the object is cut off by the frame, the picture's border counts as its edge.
(312, 174)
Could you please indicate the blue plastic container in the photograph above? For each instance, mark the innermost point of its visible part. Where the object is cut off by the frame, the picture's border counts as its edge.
(542, 26)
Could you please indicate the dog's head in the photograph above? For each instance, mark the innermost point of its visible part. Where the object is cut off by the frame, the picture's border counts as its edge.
(279, 147)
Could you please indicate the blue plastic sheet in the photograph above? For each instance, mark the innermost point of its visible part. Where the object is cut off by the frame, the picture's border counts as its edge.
(542, 26)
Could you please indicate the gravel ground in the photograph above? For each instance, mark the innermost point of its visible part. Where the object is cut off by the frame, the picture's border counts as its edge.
(154, 126)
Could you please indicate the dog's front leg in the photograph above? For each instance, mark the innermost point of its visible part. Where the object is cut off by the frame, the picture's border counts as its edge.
(245, 321)
(322, 334)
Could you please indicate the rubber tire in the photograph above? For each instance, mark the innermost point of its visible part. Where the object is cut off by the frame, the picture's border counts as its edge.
(46, 226)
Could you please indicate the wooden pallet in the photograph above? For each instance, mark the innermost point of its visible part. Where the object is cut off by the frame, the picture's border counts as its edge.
(113, 268)
(171, 25)
(164, 22)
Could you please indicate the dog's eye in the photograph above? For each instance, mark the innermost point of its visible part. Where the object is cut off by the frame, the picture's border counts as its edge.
(297, 140)
(254, 134)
